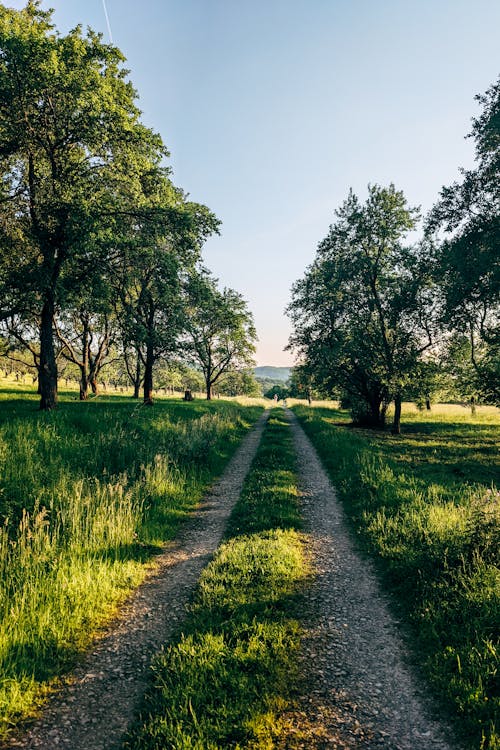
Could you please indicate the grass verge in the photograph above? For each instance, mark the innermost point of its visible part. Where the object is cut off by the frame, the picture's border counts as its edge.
(88, 494)
(425, 505)
(227, 679)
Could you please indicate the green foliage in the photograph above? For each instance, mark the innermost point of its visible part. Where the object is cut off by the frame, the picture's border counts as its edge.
(361, 314)
(228, 678)
(280, 391)
(64, 176)
(425, 506)
(220, 330)
(84, 194)
(178, 376)
(90, 493)
(468, 265)
(239, 383)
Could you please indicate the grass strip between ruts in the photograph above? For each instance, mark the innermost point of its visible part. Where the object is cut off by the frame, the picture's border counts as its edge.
(228, 677)
(423, 505)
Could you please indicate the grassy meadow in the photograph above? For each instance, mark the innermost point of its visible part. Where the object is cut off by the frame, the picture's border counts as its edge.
(226, 681)
(426, 505)
(88, 494)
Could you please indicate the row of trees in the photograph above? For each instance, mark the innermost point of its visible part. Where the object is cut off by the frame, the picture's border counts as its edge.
(100, 251)
(377, 319)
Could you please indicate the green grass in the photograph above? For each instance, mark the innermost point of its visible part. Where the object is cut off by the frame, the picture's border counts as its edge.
(425, 505)
(88, 494)
(226, 681)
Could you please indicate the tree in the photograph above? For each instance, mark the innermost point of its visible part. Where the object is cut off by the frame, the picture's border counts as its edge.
(301, 384)
(133, 359)
(220, 333)
(363, 312)
(152, 315)
(86, 339)
(239, 383)
(277, 392)
(21, 344)
(74, 160)
(468, 262)
(175, 375)
(149, 279)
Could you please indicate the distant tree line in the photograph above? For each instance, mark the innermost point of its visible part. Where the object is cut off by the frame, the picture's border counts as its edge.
(378, 319)
(100, 251)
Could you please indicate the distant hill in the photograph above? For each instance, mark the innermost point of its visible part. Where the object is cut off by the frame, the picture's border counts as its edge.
(273, 373)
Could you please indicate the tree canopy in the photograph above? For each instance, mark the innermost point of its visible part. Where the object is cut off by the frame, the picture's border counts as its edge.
(84, 184)
(361, 315)
(376, 318)
(468, 263)
(220, 330)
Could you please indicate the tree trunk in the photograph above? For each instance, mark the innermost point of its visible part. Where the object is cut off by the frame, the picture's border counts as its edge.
(84, 385)
(396, 425)
(84, 365)
(428, 403)
(48, 364)
(94, 370)
(148, 375)
(137, 380)
(377, 413)
(209, 390)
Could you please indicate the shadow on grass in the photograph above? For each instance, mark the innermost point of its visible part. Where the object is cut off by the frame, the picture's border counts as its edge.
(40, 658)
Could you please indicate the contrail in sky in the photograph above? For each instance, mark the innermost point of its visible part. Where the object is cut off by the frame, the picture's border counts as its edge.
(107, 21)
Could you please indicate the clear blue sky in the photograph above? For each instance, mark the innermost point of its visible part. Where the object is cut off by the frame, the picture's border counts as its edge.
(273, 109)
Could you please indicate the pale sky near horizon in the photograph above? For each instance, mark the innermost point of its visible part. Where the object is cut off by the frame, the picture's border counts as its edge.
(273, 109)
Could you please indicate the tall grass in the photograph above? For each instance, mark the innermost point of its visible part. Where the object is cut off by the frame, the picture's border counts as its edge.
(425, 505)
(226, 681)
(87, 495)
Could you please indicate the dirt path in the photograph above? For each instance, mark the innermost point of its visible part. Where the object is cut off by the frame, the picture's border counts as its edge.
(358, 691)
(94, 710)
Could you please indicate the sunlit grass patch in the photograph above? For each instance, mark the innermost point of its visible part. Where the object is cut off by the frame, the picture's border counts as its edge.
(88, 494)
(425, 505)
(226, 681)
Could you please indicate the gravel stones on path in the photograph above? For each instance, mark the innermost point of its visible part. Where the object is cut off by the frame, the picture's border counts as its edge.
(96, 706)
(358, 689)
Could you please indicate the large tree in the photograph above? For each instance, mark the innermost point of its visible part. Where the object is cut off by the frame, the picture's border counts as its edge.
(362, 312)
(74, 160)
(220, 329)
(468, 268)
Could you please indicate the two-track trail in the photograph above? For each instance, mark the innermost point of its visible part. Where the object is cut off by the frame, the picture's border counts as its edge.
(96, 706)
(358, 690)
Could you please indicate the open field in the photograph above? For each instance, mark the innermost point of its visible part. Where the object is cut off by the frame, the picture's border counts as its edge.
(88, 494)
(228, 678)
(426, 505)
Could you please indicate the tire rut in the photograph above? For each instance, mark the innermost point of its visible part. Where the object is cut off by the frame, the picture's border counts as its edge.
(359, 690)
(96, 705)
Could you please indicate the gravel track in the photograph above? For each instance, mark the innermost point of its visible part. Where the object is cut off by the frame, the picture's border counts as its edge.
(359, 691)
(95, 707)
